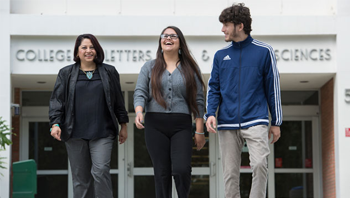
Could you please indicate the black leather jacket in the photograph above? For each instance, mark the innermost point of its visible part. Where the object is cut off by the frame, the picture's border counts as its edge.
(62, 98)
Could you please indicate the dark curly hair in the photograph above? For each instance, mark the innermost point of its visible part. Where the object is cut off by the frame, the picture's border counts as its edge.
(237, 14)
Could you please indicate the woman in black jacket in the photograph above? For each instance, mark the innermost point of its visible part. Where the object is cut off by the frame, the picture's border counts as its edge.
(86, 106)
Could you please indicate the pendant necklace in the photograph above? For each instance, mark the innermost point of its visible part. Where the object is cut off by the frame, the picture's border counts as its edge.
(88, 74)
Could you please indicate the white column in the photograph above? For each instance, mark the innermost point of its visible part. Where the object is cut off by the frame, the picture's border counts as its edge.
(341, 107)
(5, 92)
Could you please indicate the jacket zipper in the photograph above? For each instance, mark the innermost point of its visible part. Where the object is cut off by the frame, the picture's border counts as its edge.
(239, 85)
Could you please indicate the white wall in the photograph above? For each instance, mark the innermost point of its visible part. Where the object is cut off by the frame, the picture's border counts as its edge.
(341, 108)
(169, 7)
(46, 55)
(5, 93)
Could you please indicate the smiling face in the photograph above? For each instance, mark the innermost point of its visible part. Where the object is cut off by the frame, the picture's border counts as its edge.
(230, 31)
(87, 51)
(168, 43)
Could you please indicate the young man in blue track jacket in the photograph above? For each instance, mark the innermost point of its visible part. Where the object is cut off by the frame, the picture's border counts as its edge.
(244, 84)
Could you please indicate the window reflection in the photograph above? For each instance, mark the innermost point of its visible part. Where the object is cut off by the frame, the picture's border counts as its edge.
(130, 108)
(199, 186)
(245, 157)
(294, 148)
(299, 97)
(36, 98)
(48, 153)
(52, 186)
(144, 187)
(200, 158)
(115, 185)
(294, 185)
(114, 157)
(141, 156)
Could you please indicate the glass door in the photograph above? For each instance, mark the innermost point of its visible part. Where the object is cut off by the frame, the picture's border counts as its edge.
(296, 159)
(293, 163)
(139, 165)
(50, 156)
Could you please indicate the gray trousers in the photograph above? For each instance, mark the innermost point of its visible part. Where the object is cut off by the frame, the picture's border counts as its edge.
(90, 164)
(231, 144)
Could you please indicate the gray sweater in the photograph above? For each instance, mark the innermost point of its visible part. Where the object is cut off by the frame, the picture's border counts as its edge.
(173, 91)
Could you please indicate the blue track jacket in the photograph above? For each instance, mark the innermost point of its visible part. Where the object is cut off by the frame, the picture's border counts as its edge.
(244, 84)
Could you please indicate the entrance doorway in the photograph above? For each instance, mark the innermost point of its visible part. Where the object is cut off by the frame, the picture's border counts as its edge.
(50, 156)
(294, 161)
(131, 167)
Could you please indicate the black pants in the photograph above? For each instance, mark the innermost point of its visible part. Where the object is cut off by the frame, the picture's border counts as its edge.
(169, 143)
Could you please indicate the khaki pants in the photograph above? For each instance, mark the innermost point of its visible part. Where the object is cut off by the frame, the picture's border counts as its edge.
(231, 144)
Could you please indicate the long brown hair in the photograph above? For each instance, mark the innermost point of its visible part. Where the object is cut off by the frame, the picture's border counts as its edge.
(189, 69)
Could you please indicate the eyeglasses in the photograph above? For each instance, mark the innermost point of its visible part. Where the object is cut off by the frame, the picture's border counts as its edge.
(172, 36)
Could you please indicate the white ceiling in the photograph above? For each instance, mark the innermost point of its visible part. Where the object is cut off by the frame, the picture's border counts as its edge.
(288, 81)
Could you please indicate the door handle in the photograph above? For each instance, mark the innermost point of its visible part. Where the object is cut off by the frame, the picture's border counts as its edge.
(212, 169)
(129, 169)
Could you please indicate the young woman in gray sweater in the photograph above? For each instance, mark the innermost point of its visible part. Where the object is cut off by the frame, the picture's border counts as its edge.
(170, 89)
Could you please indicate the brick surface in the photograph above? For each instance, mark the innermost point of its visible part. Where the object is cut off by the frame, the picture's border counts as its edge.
(327, 126)
(16, 130)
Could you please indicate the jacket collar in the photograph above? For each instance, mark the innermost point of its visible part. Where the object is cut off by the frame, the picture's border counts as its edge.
(74, 76)
(105, 81)
(243, 43)
(72, 82)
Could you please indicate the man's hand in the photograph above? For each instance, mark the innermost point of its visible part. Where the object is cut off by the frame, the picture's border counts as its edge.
(211, 124)
(275, 132)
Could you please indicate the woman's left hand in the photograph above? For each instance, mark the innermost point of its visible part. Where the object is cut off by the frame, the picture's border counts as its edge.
(123, 133)
(199, 141)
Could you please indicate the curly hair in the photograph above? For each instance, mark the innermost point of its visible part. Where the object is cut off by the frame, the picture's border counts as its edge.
(237, 14)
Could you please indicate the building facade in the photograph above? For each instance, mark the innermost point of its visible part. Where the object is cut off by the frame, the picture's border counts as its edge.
(310, 39)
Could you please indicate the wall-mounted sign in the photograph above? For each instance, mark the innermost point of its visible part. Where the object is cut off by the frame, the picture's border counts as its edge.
(292, 148)
(135, 55)
(303, 54)
(308, 163)
(347, 132)
(66, 55)
(127, 55)
(44, 55)
(278, 162)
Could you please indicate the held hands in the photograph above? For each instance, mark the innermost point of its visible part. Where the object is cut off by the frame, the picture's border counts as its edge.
(56, 132)
(139, 120)
(275, 131)
(211, 124)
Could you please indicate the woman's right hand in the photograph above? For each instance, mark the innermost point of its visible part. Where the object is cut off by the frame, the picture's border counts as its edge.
(56, 132)
(139, 120)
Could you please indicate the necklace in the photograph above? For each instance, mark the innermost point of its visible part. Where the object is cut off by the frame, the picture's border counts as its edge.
(88, 74)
